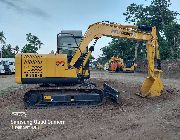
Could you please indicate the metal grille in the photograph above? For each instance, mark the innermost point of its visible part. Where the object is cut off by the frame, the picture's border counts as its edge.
(32, 65)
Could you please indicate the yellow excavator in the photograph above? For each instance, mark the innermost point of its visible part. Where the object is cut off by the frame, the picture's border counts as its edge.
(117, 64)
(57, 69)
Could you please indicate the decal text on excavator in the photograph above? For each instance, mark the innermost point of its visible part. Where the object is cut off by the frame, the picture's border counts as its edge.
(122, 33)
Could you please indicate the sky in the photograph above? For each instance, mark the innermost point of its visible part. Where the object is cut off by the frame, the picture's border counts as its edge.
(46, 18)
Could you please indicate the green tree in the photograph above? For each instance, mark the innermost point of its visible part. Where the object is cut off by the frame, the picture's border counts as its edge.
(158, 14)
(16, 49)
(2, 38)
(34, 44)
(101, 60)
(2, 41)
(7, 51)
(120, 48)
(91, 58)
(172, 37)
(123, 48)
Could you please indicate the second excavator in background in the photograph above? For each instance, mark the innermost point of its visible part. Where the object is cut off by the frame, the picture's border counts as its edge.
(117, 64)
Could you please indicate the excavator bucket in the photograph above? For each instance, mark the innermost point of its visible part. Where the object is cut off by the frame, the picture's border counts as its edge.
(152, 87)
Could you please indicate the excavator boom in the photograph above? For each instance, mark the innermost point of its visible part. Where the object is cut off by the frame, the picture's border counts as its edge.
(100, 29)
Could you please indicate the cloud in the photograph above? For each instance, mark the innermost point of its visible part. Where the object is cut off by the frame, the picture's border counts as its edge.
(22, 6)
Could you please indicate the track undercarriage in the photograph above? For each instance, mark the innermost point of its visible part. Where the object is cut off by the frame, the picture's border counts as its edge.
(83, 94)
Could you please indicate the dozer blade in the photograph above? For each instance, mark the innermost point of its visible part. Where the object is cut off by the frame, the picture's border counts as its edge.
(152, 87)
(82, 95)
(112, 93)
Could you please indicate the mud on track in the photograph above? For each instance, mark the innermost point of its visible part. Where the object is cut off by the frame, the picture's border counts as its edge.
(137, 118)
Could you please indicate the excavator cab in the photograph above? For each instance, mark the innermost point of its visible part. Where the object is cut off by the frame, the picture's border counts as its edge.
(129, 63)
(67, 43)
(130, 66)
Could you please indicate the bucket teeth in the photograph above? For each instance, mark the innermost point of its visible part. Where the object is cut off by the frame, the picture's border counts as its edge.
(141, 95)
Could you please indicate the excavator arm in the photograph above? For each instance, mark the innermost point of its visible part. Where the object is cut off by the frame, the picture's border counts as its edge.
(100, 29)
(142, 33)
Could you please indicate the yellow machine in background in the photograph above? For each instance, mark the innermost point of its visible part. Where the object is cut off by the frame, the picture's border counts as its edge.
(117, 64)
(57, 69)
(100, 66)
(130, 66)
(106, 66)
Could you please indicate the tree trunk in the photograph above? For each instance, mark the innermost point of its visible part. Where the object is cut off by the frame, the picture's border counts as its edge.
(136, 49)
(172, 49)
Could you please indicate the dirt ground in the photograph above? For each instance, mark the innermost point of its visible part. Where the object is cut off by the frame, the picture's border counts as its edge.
(137, 118)
(7, 81)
